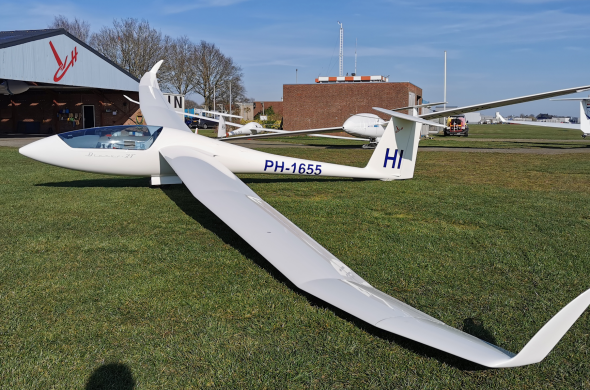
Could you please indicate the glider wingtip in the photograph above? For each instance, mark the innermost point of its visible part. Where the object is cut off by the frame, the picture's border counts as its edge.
(550, 334)
(157, 66)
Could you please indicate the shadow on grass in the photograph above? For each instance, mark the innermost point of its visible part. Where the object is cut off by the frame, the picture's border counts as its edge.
(114, 376)
(114, 182)
(122, 182)
(474, 327)
(201, 214)
(287, 179)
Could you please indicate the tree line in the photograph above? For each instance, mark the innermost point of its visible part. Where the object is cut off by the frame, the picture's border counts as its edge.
(188, 67)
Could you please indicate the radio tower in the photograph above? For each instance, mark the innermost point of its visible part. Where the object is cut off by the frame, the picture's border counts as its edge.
(341, 50)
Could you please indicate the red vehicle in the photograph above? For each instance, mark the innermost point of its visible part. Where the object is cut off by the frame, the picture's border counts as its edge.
(457, 125)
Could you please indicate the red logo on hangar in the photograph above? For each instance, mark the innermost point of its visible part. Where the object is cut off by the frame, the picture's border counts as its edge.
(64, 65)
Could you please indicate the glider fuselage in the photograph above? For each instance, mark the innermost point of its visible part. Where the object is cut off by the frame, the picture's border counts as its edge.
(106, 151)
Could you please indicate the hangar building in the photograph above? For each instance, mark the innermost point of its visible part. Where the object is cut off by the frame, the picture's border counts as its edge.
(51, 82)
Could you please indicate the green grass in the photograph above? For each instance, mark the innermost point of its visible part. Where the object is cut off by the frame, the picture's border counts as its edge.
(522, 132)
(104, 277)
(480, 136)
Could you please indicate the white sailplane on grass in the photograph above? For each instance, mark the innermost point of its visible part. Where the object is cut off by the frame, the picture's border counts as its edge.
(168, 152)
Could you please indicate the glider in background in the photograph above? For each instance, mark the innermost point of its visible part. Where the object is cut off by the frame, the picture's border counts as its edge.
(169, 152)
(584, 124)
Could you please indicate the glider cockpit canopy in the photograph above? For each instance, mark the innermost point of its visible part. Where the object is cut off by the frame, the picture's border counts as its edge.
(131, 137)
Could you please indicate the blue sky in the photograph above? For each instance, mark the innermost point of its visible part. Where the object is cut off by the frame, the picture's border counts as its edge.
(496, 49)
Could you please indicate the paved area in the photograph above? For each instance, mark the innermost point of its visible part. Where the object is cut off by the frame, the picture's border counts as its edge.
(527, 140)
(17, 142)
(513, 150)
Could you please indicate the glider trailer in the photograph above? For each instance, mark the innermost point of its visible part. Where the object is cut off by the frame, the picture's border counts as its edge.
(169, 152)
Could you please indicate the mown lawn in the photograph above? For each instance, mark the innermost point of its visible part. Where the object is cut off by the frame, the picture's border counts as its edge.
(103, 278)
(480, 136)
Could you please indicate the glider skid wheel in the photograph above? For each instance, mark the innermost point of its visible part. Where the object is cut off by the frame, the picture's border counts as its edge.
(371, 145)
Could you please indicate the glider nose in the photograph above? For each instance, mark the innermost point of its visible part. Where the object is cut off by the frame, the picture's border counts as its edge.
(44, 149)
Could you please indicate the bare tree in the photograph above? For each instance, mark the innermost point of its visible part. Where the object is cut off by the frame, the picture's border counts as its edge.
(215, 71)
(132, 44)
(188, 103)
(78, 28)
(179, 72)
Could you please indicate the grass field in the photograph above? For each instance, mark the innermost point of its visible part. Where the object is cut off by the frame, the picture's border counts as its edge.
(103, 278)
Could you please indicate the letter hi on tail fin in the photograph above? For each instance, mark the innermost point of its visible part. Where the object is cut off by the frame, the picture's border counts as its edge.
(395, 155)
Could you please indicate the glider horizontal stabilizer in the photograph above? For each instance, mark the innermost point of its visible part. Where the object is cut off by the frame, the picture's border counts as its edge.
(418, 106)
(408, 117)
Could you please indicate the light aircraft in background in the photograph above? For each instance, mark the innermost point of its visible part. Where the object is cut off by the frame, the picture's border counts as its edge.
(169, 152)
(371, 127)
(584, 124)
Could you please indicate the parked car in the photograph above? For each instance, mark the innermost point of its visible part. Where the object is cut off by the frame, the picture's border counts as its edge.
(198, 123)
(205, 123)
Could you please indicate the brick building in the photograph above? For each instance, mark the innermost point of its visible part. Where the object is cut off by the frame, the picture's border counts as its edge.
(51, 82)
(277, 107)
(308, 106)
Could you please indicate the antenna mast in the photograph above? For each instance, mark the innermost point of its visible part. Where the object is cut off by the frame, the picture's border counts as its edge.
(355, 45)
(341, 50)
(445, 83)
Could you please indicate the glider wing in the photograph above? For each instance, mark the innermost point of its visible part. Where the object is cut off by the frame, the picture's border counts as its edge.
(286, 133)
(501, 103)
(318, 272)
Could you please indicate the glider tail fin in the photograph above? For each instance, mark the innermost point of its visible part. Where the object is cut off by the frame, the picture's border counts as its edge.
(395, 155)
(221, 129)
(500, 117)
(585, 116)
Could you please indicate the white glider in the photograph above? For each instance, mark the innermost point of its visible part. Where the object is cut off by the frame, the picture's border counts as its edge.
(363, 127)
(583, 126)
(207, 167)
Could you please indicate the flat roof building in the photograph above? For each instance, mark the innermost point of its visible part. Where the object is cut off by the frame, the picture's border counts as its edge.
(330, 104)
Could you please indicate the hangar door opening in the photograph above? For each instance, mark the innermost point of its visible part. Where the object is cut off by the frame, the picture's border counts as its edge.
(88, 113)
